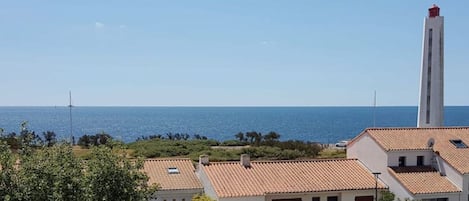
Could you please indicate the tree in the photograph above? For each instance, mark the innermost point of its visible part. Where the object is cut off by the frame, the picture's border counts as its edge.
(111, 176)
(84, 141)
(49, 138)
(271, 137)
(102, 138)
(55, 173)
(202, 197)
(387, 196)
(251, 136)
(240, 136)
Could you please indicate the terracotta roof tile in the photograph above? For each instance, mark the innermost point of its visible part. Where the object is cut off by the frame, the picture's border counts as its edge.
(231, 179)
(424, 182)
(391, 139)
(157, 171)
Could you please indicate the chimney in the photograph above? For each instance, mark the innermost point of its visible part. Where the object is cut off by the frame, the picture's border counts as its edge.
(203, 159)
(245, 160)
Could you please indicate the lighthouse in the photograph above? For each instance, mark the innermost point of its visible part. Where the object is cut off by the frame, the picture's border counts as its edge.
(430, 109)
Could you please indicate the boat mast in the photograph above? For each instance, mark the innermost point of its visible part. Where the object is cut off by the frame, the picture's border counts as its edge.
(71, 125)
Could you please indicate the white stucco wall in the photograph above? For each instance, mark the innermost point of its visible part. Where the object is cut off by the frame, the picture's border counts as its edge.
(411, 157)
(254, 198)
(450, 196)
(342, 195)
(369, 153)
(465, 188)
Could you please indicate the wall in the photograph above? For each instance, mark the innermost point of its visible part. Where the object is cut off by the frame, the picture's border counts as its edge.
(369, 153)
(450, 196)
(252, 198)
(411, 157)
(342, 195)
(169, 195)
(465, 188)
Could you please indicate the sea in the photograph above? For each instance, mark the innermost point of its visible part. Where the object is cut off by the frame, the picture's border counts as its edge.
(318, 124)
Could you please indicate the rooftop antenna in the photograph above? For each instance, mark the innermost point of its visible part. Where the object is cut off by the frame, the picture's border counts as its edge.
(374, 110)
(71, 125)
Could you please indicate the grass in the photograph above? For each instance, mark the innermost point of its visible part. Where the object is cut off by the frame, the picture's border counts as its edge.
(332, 153)
(85, 153)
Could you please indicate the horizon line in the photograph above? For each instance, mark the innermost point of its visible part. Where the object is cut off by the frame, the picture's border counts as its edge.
(222, 106)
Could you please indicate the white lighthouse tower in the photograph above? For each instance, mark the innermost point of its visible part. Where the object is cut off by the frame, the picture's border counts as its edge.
(430, 112)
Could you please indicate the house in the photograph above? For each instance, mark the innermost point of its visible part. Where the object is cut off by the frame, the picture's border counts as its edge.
(417, 163)
(175, 177)
(294, 180)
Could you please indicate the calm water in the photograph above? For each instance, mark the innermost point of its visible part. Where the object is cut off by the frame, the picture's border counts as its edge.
(321, 124)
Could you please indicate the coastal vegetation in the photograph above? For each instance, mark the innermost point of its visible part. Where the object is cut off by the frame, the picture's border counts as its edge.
(38, 169)
(257, 145)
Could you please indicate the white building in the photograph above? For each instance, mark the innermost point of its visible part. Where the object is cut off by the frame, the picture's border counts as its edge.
(299, 180)
(430, 112)
(175, 177)
(417, 163)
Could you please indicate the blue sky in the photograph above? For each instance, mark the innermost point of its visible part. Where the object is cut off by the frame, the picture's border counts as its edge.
(224, 53)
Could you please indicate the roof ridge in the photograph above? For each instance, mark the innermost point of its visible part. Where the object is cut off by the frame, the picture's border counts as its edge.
(306, 160)
(417, 128)
(288, 161)
(167, 159)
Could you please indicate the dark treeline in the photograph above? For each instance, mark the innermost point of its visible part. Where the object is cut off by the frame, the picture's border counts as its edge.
(27, 137)
(172, 136)
(86, 141)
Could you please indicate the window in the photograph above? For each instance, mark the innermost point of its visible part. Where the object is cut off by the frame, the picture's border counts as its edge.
(436, 199)
(173, 170)
(401, 161)
(364, 198)
(316, 199)
(420, 160)
(429, 74)
(458, 143)
(332, 198)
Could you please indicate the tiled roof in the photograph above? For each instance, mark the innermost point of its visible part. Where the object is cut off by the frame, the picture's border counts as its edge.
(231, 179)
(425, 181)
(391, 139)
(157, 170)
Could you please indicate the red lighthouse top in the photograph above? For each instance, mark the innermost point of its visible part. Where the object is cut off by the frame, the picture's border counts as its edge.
(434, 11)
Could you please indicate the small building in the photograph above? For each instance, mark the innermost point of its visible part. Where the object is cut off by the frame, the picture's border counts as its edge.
(417, 163)
(175, 177)
(294, 180)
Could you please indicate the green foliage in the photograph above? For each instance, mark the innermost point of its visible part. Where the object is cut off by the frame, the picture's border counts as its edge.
(86, 141)
(332, 153)
(55, 173)
(261, 147)
(233, 143)
(169, 148)
(24, 140)
(109, 175)
(49, 138)
(202, 197)
(387, 196)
